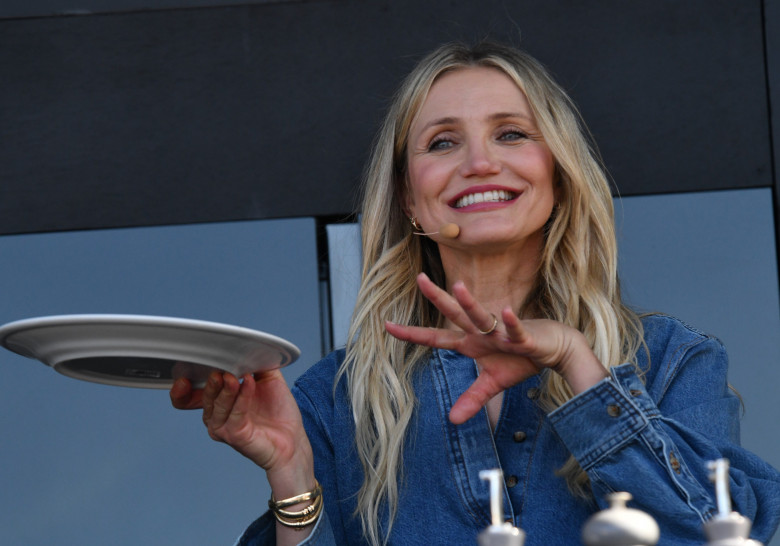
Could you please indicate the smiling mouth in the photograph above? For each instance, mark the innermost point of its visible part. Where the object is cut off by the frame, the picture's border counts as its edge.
(491, 196)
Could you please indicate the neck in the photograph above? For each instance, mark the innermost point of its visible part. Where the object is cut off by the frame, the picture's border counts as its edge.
(495, 279)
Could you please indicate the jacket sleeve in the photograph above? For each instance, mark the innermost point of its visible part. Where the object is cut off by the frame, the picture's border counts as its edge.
(655, 440)
(262, 532)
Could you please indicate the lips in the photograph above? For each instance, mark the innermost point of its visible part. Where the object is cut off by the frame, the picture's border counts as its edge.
(488, 196)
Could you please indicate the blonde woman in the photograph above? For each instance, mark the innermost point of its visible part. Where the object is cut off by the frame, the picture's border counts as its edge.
(489, 332)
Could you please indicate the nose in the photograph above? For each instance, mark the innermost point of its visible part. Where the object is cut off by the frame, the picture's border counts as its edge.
(479, 160)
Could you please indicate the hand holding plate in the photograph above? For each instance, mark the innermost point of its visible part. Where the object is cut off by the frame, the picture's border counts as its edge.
(259, 418)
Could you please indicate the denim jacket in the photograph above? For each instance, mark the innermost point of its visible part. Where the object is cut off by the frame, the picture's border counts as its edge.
(648, 429)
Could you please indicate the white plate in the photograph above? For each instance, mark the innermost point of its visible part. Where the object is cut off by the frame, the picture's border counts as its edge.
(144, 351)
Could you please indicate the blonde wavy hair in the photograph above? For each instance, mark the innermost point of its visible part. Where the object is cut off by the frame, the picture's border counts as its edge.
(577, 282)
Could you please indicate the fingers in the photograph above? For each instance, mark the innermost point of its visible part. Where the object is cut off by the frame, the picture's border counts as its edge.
(445, 303)
(461, 308)
(210, 393)
(464, 312)
(430, 337)
(184, 397)
(473, 400)
(482, 320)
(243, 402)
(219, 398)
(514, 327)
(543, 341)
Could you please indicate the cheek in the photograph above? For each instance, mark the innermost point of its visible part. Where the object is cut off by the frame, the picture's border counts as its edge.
(425, 181)
(543, 162)
(539, 166)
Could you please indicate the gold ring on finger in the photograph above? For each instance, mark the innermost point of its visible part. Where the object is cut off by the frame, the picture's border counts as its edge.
(492, 328)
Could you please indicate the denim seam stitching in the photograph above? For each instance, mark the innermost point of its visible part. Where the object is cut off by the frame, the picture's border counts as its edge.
(454, 448)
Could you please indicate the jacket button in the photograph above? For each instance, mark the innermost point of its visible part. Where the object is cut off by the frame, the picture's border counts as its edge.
(511, 481)
(519, 436)
(635, 392)
(613, 410)
(533, 393)
(674, 462)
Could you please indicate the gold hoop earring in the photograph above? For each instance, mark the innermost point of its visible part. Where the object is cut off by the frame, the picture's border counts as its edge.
(415, 224)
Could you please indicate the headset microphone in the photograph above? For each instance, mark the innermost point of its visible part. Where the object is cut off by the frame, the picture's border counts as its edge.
(450, 231)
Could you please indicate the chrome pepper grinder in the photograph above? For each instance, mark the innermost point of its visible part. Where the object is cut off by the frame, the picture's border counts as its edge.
(726, 528)
(498, 533)
(620, 525)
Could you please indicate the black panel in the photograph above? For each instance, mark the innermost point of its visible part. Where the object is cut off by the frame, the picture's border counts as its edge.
(268, 110)
(45, 8)
(772, 30)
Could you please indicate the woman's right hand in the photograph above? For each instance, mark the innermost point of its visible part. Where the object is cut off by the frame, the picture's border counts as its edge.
(259, 418)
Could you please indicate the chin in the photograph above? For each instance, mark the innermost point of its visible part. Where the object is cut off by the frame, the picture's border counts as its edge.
(502, 236)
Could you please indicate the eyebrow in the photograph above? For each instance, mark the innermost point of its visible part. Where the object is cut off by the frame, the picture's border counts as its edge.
(492, 117)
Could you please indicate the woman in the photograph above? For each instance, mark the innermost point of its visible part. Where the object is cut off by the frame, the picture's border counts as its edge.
(489, 281)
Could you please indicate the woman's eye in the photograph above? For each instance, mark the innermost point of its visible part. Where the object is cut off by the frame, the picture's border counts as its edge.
(512, 134)
(439, 144)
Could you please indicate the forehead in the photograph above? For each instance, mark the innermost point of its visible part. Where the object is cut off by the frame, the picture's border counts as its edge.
(473, 91)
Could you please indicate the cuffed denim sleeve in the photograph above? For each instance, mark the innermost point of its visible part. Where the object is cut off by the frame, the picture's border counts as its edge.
(598, 422)
(655, 440)
(262, 532)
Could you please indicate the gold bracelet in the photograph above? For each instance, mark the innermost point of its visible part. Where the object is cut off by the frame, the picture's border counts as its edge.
(284, 503)
(300, 513)
(301, 518)
(302, 522)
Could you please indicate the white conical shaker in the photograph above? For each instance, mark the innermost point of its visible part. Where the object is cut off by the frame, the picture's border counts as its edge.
(620, 525)
(498, 533)
(726, 528)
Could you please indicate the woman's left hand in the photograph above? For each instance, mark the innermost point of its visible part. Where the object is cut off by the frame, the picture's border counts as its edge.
(513, 351)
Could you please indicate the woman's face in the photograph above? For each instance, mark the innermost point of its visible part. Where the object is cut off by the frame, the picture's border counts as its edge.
(476, 158)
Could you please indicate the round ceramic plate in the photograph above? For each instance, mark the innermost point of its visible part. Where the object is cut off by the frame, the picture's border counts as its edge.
(144, 351)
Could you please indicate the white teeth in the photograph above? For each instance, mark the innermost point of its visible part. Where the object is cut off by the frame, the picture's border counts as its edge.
(493, 196)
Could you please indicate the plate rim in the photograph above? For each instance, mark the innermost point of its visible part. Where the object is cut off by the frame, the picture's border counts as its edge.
(47, 321)
(15, 328)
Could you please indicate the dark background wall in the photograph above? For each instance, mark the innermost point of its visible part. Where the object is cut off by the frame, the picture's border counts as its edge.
(193, 113)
